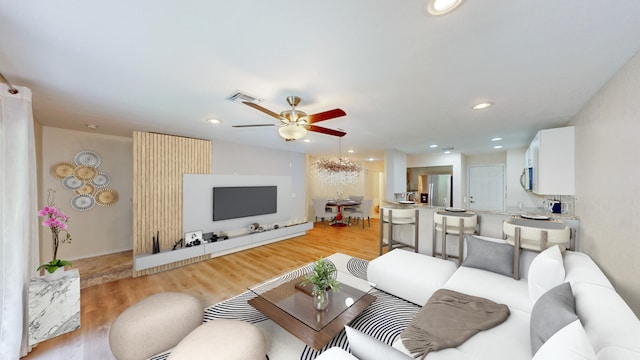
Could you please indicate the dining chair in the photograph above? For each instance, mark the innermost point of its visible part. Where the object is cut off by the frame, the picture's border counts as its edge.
(319, 206)
(362, 212)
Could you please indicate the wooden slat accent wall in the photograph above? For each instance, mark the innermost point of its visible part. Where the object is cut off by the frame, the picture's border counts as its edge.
(159, 161)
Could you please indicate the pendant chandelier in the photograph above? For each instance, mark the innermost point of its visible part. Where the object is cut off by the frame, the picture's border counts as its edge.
(340, 171)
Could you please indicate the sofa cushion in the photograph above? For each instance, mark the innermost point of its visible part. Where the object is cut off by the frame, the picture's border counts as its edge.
(485, 254)
(545, 272)
(553, 311)
(499, 288)
(364, 347)
(569, 343)
(607, 319)
(408, 275)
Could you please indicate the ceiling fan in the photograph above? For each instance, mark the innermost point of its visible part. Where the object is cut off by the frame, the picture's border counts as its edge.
(294, 123)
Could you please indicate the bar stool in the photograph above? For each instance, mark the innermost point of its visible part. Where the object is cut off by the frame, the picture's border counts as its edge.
(394, 218)
(453, 223)
(535, 235)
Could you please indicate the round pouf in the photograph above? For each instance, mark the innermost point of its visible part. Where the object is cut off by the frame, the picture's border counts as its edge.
(222, 339)
(153, 325)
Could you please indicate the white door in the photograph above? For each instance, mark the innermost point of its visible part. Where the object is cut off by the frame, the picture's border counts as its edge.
(486, 187)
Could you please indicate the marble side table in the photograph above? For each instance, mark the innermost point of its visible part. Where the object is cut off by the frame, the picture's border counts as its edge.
(54, 306)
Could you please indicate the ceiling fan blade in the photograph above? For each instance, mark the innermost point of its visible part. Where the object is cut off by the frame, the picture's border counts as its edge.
(255, 125)
(264, 110)
(326, 115)
(324, 130)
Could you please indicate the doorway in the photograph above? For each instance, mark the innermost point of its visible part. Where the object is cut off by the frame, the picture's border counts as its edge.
(486, 187)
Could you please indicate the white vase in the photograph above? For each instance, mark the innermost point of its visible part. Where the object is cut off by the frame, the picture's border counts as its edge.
(55, 275)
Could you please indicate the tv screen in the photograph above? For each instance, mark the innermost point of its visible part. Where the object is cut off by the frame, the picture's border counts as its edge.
(242, 201)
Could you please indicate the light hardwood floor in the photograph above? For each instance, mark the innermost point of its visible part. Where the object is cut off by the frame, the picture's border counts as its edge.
(212, 281)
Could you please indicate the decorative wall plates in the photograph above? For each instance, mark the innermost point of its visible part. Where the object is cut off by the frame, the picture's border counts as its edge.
(101, 180)
(83, 202)
(86, 189)
(62, 169)
(106, 197)
(85, 172)
(72, 183)
(83, 178)
(88, 158)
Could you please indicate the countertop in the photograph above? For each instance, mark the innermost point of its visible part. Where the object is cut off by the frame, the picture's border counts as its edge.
(508, 212)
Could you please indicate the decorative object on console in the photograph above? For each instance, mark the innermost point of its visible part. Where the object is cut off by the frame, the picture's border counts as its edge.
(83, 178)
(322, 277)
(56, 220)
(192, 238)
(156, 244)
(175, 245)
(254, 227)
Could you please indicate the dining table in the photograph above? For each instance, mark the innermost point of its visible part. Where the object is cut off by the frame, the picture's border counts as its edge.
(339, 220)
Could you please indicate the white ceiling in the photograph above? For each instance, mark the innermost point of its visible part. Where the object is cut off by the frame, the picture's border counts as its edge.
(404, 78)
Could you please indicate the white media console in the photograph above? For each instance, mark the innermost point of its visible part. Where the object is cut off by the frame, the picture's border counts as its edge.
(221, 247)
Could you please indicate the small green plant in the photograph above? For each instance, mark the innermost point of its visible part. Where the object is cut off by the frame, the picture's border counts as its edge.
(53, 265)
(323, 276)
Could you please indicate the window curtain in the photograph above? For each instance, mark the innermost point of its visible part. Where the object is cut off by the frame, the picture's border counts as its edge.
(18, 219)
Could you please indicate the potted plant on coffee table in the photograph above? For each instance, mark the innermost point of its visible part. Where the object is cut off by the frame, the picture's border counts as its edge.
(322, 277)
(56, 220)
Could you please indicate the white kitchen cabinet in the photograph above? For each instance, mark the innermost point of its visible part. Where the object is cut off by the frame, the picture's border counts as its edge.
(551, 155)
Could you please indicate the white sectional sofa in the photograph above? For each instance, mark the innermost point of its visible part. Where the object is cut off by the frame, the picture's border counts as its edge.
(607, 328)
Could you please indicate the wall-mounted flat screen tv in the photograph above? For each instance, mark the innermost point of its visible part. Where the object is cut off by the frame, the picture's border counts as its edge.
(242, 201)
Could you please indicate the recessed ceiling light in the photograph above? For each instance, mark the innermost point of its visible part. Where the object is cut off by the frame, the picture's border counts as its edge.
(214, 121)
(307, 140)
(433, 146)
(371, 159)
(91, 126)
(447, 150)
(482, 105)
(350, 151)
(498, 147)
(496, 139)
(441, 7)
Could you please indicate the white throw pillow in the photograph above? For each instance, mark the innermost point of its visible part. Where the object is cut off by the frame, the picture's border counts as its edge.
(570, 343)
(545, 272)
(364, 347)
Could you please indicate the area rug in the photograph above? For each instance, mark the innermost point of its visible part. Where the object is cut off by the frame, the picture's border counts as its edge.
(384, 319)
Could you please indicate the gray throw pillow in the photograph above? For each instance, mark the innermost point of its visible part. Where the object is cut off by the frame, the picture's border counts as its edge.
(364, 347)
(554, 310)
(488, 255)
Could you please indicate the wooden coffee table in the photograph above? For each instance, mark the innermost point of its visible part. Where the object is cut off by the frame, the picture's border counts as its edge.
(293, 310)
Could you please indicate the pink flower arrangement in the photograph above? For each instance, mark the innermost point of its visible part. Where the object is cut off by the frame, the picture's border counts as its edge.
(56, 220)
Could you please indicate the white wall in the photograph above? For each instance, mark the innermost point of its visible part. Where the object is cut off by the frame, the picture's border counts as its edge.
(607, 180)
(236, 159)
(101, 230)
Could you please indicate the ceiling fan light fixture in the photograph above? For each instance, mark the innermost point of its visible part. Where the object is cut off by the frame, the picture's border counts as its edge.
(292, 132)
(441, 7)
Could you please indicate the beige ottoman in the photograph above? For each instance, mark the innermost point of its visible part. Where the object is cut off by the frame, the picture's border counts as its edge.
(222, 339)
(153, 325)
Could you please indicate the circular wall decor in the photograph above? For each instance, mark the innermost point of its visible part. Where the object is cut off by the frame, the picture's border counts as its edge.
(83, 202)
(72, 183)
(61, 170)
(85, 172)
(86, 189)
(88, 158)
(101, 180)
(106, 197)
